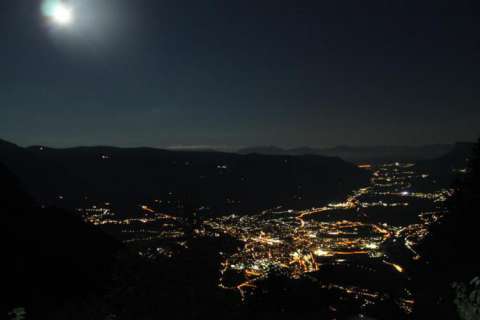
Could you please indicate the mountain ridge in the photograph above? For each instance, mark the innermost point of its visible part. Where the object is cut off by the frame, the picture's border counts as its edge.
(223, 182)
(360, 153)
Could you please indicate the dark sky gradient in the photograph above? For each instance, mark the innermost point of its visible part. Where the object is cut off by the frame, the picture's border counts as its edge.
(237, 73)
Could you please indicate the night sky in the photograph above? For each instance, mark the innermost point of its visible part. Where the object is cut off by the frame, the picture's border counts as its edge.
(234, 73)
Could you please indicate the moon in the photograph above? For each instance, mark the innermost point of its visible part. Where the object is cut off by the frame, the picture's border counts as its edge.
(58, 12)
(62, 14)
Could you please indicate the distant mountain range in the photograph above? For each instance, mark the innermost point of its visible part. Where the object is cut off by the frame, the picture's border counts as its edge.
(245, 182)
(220, 182)
(360, 154)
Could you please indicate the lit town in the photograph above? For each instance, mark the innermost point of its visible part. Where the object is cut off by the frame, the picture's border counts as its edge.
(375, 229)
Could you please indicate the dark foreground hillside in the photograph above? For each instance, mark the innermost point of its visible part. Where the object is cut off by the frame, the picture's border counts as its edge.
(451, 247)
(49, 256)
(219, 182)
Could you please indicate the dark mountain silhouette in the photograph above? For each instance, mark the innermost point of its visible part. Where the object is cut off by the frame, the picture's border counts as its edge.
(49, 255)
(360, 154)
(450, 165)
(223, 182)
(35, 173)
(456, 158)
(271, 150)
(451, 246)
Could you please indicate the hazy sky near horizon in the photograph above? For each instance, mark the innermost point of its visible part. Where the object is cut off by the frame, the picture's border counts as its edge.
(238, 73)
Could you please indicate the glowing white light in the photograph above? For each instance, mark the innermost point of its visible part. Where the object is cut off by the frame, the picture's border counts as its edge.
(62, 14)
(371, 245)
(322, 253)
